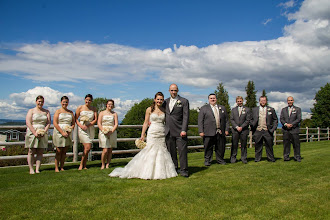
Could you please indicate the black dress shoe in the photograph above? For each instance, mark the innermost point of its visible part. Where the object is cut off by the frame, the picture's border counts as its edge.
(244, 161)
(298, 159)
(184, 174)
(178, 171)
(286, 159)
(271, 160)
(222, 162)
(207, 164)
(256, 161)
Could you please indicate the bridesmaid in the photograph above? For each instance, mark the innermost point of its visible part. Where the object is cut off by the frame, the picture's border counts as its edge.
(108, 123)
(37, 121)
(64, 122)
(86, 117)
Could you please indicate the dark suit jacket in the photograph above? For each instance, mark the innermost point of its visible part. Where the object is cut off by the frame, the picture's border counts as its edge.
(207, 123)
(271, 119)
(294, 119)
(240, 121)
(177, 120)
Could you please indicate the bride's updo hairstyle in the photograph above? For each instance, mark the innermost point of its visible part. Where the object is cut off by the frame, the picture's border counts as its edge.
(154, 103)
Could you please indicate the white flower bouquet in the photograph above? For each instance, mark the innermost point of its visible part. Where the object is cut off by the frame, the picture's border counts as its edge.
(67, 128)
(84, 119)
(106, 130)
(140, 144)
(40, 132)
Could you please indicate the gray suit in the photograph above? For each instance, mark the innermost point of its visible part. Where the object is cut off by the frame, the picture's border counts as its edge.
(267, 135)
(239, 121)
(291, 135)
(207, 125)
(176, 121)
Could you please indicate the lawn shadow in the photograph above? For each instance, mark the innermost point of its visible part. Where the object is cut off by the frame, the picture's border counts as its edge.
(194, 169)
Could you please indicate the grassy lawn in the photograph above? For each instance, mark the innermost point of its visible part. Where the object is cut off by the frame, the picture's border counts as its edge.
(280, 190)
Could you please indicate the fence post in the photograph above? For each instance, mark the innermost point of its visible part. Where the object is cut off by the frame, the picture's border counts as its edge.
(306, 134)
(275, 137)
(250, 140)
(318, 133)
(75, 143)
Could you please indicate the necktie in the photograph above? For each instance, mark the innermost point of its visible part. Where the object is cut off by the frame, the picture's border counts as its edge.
(172, 102)
(239, 111)
(216, 115)
(290, 111)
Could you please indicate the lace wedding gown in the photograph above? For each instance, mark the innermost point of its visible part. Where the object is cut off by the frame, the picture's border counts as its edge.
(154, 161)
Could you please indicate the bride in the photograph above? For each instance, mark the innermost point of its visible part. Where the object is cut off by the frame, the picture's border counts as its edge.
(154, 161)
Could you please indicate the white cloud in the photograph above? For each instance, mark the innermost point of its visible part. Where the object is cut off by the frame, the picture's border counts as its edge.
(19, 103)
(296, 63)
(266, 21)
(288, 4)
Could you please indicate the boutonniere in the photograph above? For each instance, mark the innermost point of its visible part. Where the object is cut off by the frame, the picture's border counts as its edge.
(293, 109)
(269, 109)
(222, 111)
(178, 103)
(243, 109)
(220, 108)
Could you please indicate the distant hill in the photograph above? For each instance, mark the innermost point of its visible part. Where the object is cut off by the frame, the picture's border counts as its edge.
(11, 122)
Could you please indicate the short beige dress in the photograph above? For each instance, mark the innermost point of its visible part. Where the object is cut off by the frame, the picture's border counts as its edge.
(39, 121)
(88, 135)
(64, 119)
(104, 140)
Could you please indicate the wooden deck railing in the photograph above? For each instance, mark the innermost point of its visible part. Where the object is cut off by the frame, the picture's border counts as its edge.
(310, 134)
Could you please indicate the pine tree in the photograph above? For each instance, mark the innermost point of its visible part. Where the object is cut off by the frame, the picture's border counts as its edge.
(321, 110)
(251, 99)
(222, 97)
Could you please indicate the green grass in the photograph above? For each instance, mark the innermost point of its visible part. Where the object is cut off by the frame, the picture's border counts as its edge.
(281, 190)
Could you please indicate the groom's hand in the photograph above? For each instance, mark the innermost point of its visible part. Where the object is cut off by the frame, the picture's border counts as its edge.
(183, 134)
(201, 134)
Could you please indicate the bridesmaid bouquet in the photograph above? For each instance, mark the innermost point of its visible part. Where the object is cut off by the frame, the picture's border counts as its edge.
(84, 119)
(140, 144)
(40, 132)
(106, 130)
(67, 128)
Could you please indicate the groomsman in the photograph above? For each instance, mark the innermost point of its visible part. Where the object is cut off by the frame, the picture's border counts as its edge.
(240, 119)
(290, 119)
(263, 123)
(213, 126)
(176, 127)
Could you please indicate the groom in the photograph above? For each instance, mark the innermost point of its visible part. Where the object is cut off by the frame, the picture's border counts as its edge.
(176, 127)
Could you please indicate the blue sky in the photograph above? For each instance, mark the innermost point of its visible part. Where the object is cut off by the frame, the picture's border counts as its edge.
(129, 50)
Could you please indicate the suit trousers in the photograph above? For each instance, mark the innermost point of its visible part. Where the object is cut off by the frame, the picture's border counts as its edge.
(178, 144)
(259, 137)
(289, 138)
(235, 138)
(219, 142)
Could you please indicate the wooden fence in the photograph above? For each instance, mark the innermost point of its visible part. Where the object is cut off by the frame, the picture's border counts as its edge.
(306, 134)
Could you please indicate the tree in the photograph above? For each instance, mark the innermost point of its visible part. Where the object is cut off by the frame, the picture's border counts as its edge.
(251, 99)
(306, 123)
(134, 116)
(321, 110)
(100, 104)
(264, 94)
(222, 97)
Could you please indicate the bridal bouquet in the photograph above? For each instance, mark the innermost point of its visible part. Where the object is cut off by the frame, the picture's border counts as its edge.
(140, 144)
(84, 119)
(67, 128)
(106, 130)
(40, 132)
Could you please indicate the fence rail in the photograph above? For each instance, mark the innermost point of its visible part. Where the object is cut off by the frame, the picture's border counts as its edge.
(310, 134)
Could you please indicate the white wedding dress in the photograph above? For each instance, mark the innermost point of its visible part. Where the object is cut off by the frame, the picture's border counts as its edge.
(154, 161)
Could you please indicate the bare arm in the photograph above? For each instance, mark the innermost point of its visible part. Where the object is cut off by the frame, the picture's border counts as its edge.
(92, 123)
(99, 121)
(84, 127)
(116, 122)
(55, 122)
(28, 120)
(48, 121)
(146, 123)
